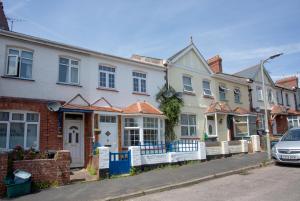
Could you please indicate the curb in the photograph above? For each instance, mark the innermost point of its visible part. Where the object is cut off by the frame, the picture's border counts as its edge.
(186, 183)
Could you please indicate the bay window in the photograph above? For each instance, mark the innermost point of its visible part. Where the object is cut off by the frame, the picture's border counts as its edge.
(131, 132)
(18, 128)
(19, 63)
(244, 126)
(68, 71)
(150, 126)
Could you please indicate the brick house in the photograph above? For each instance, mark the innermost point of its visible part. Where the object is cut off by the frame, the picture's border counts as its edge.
(55, 96)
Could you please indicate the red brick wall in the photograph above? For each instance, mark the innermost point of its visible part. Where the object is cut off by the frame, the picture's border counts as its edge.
(49, 131)
(281, 123)
(88, 138)
(3, 172)
(48, 170)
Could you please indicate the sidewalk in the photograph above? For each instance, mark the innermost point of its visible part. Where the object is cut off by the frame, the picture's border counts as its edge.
(99, 190)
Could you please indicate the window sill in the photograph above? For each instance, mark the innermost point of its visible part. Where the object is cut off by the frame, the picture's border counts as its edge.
(260, 100)
(141, 94)
(208, 96)
(68, 84)
(191, 93)
(17, 78)
(238, 103)
(225, 100)
(107, 89)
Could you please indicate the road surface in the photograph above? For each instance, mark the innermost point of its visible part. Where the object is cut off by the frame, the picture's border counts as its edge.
(272, 183)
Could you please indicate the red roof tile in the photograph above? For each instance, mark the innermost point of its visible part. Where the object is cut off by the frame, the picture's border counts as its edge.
(142, 108)
(241, 111)
(219, 107)
(278, 109)
(94, 108)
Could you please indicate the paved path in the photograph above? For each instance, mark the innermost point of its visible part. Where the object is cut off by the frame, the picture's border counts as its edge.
(271, 183)
(114, 187)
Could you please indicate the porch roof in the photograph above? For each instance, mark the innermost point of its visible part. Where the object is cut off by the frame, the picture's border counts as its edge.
(219, 107)
(89, 108)
(279, 109)
(142, 107)
(293, 112)
(242, 111)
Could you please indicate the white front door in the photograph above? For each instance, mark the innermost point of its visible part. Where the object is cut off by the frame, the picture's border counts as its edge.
(109, 132)
(211, 128)
(73, 141)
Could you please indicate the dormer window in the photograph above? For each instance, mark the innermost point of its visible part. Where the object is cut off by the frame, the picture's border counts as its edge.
(187, 83)
(19, 63)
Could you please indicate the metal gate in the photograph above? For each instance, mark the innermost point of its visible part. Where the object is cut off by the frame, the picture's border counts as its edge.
(119, 163)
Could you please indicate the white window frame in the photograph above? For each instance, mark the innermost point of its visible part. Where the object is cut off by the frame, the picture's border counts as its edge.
(279, 97)
(10, 120)
(157, 129)
(188, 125)
(270, 96)
(18, 62)
(237, 93)
(128, 128)
(291, 121)
(140, 79)
(287, 99)
(107, 74)
(222, 90)
(259, 93)
(186, 86)
(70, 66)
(206, 89)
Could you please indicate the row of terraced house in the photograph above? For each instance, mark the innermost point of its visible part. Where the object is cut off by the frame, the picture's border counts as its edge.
(56, 96)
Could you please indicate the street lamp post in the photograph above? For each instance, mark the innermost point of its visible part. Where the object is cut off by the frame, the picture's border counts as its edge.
(265, 102)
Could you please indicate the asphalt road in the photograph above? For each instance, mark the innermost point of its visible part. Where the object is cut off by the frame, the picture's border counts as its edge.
(271, 183)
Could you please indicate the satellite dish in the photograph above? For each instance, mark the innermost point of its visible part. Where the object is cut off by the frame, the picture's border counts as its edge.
(53, 106)
(257, 109)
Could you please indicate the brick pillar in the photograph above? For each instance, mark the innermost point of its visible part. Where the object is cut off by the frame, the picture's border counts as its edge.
(88, 138)
(3, 172)
(63, 161)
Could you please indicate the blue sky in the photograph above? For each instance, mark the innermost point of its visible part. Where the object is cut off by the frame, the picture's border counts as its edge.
(241, 32)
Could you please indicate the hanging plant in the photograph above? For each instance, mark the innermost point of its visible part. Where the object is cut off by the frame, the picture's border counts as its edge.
(170, 104)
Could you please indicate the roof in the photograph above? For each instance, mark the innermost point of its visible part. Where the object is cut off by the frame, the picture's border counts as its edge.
(192, 46)
(219, 107)
(278, 109)
(142, 108)
(231, 78)
(241, 111)
(76, 49)
(252, 71)
(293, 112)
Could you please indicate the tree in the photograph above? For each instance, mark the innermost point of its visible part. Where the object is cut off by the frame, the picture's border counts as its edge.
(170, 104)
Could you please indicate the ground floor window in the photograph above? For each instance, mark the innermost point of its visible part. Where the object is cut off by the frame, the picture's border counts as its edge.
(293, 121)
(244, 126)
(19, 128)
(131, 132)
(150, 130)
(188, 124)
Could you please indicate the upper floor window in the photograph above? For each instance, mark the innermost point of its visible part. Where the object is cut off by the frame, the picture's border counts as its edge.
(206, 88)
(222, 92)
(139, 82)
(237, 95)
(270, 96)
(259, 93)
(188, 124)
(287, 99)
(19, 63)
(18, 128)
(106, 77)
(279, 97)
(187, 83)
(68, 71)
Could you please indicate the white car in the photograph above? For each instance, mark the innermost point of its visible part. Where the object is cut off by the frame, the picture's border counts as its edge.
(287, 150)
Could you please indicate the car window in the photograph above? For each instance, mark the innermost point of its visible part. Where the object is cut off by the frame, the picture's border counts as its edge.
(292, 135)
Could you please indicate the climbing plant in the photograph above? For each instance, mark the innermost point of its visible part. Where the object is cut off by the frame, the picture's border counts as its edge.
(170, 104)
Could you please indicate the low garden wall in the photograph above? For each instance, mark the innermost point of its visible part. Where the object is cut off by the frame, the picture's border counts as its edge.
(47, 171)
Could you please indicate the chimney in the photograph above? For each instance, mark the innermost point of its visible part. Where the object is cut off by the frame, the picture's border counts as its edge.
(3, 20)
(289, 82)
(215, 64)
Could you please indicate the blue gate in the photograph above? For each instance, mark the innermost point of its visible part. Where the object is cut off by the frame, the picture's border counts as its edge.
(119, 163)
